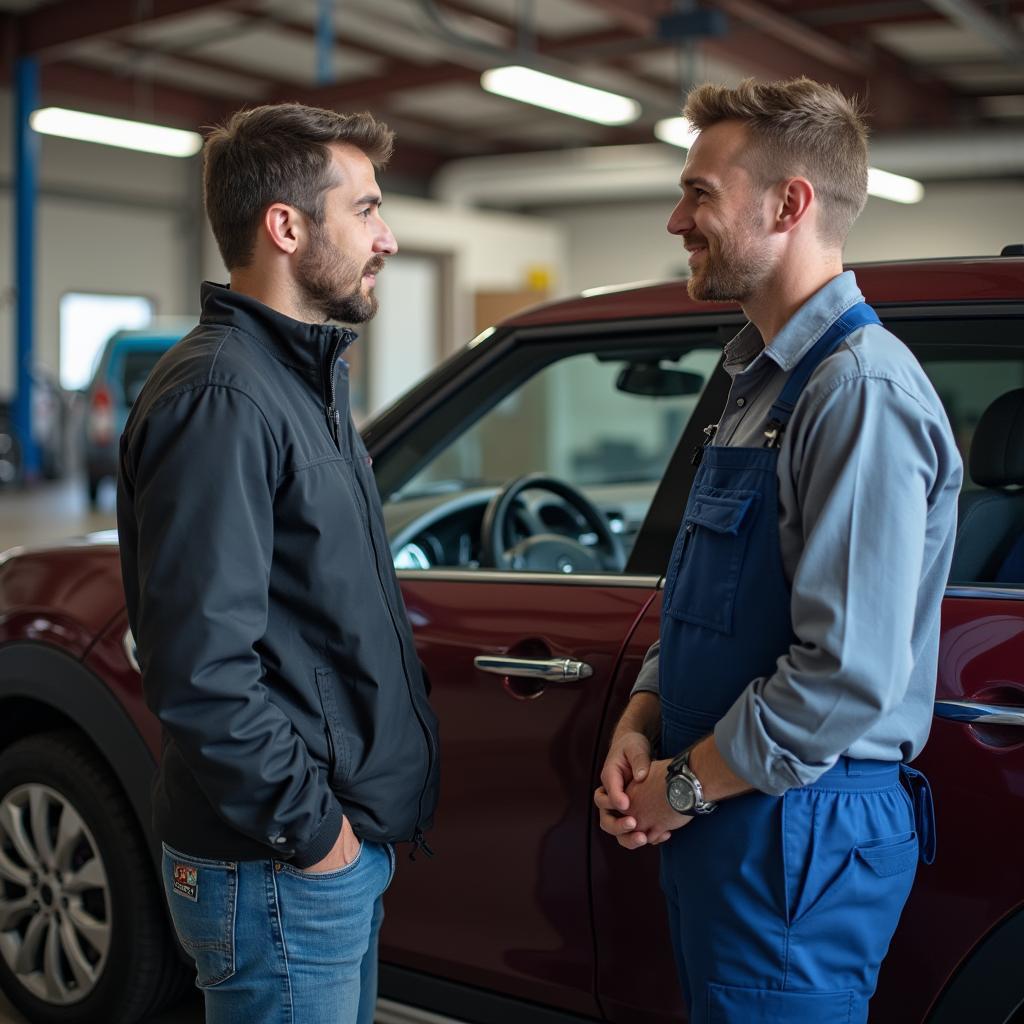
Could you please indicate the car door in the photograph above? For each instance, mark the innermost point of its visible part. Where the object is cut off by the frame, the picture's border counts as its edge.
(520, 658)
(953, 948)
(959, 935)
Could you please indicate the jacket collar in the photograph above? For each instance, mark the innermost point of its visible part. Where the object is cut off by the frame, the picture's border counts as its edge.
(306, 347)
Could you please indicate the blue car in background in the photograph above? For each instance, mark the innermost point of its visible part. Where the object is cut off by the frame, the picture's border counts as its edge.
(123, 365)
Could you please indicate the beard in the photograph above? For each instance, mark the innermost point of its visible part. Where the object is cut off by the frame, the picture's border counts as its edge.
(332, 282)
(735, 265)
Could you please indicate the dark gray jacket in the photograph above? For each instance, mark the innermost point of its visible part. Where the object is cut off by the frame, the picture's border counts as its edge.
(274, 644)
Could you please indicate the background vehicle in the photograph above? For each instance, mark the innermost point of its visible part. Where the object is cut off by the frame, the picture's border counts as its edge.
(122, 367)
(533, 602)
(50, 415)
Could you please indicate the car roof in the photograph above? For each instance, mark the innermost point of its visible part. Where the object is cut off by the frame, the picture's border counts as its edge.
(160, 331)
(968, 279)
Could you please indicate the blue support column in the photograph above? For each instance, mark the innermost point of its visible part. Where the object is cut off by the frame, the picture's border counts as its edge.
(325, 42)
(26, 149)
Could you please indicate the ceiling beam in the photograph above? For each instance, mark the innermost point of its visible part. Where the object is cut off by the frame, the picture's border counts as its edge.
(1001, 33)
(103, 91)
(49, 28)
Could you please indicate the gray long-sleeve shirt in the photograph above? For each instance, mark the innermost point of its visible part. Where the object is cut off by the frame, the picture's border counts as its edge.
(869, 476)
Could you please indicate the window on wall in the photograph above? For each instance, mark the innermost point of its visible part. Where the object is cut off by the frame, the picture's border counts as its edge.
(87, 319)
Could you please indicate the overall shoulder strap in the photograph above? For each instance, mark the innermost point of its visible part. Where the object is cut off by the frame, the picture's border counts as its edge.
(843, 326)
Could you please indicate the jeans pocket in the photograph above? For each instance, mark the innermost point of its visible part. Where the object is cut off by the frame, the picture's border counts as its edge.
(728, 1004)
(202, 896)
(708, 558)
(325, 876)
(392, 865)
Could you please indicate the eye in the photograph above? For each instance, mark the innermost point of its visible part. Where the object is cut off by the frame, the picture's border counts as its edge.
(365, 214)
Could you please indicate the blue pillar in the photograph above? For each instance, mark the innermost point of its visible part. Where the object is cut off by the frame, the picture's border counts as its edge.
(26, 150)
(325, 42)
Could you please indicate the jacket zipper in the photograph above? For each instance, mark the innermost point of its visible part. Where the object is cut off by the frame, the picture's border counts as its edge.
(334, 424)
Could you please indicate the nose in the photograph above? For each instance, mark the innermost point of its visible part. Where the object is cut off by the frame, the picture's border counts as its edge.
(680, 220)
(385, 241)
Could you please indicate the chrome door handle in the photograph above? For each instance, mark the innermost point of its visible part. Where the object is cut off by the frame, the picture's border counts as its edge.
(553, 670)
(979, 714)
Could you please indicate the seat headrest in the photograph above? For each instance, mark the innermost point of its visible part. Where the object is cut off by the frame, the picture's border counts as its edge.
(997, 448)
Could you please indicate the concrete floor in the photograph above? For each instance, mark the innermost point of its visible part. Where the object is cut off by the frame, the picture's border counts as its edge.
(51, 511)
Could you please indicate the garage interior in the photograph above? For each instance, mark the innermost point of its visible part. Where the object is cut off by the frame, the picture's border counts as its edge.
(497, 203)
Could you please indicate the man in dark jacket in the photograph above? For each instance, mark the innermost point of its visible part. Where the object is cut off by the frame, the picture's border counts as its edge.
(274, 645)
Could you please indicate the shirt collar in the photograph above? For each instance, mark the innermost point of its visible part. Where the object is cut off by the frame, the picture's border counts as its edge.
(306, 347)
(800, 332)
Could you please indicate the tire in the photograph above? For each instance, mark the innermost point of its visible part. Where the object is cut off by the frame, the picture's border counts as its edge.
(84, 936)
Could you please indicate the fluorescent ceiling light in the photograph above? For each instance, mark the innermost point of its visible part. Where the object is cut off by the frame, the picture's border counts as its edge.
(561, 95)
(677, 132)
(894, 187)
(115, 131)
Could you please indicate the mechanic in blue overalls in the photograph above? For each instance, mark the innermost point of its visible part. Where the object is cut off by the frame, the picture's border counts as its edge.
(796, 667)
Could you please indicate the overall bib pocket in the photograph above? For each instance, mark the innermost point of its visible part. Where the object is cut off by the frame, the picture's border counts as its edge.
(708, 558)
(202, 895)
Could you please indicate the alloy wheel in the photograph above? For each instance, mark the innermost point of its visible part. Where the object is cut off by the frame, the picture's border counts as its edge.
(55, 916)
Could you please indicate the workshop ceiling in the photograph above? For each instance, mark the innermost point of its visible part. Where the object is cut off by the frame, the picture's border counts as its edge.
(923, 65)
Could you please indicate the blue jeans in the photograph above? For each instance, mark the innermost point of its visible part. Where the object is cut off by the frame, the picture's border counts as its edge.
(276, 945)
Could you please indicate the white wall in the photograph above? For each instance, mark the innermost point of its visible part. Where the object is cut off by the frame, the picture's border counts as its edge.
(489, 251)
(609, 244)
(107, 221)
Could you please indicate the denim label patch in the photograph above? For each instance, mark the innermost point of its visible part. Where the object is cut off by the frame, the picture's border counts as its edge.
(186, 881)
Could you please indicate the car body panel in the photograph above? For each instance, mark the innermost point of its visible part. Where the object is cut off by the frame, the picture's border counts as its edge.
(971, 279)
(510, 880)
(62, 595)
(527, 899)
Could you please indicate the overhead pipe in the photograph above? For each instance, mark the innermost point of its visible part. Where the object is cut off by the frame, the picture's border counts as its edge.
(602, 173)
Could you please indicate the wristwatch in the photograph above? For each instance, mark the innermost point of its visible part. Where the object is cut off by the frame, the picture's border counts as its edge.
(685, 793)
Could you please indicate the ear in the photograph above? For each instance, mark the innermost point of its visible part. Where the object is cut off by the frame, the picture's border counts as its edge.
(284, 227)
(795, 201)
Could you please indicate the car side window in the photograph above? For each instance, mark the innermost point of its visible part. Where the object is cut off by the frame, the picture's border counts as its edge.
(598, 428)
(981, 385)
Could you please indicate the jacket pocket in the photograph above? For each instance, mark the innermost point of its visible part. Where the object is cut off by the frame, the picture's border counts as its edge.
(202, 895)
(707, 562)
(338, 745)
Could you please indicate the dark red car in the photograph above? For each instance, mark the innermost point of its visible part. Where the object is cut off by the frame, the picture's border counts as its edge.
(533, 601)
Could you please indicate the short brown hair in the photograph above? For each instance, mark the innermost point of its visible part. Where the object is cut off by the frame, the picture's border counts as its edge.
(277, 154)
(797, 127)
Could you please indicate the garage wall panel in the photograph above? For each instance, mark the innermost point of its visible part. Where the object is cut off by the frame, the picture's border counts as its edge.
(617, 242)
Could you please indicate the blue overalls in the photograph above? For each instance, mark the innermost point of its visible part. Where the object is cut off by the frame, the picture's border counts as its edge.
(781, 908)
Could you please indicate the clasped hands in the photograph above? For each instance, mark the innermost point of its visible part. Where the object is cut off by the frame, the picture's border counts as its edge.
(632, 797)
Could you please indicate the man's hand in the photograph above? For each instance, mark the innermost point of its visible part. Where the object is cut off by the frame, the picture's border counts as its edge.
(628, 761)
(341, 854)
(649, 806)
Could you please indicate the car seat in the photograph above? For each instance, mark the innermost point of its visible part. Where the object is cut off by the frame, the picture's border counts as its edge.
(990, 532)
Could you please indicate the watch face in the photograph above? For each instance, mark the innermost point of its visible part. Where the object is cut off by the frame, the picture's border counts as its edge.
(681, 795)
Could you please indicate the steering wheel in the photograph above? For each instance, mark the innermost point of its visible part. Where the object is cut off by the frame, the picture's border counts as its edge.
(547, 552)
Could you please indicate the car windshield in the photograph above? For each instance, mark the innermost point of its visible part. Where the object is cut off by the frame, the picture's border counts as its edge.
(588, 420)
(136, 365)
